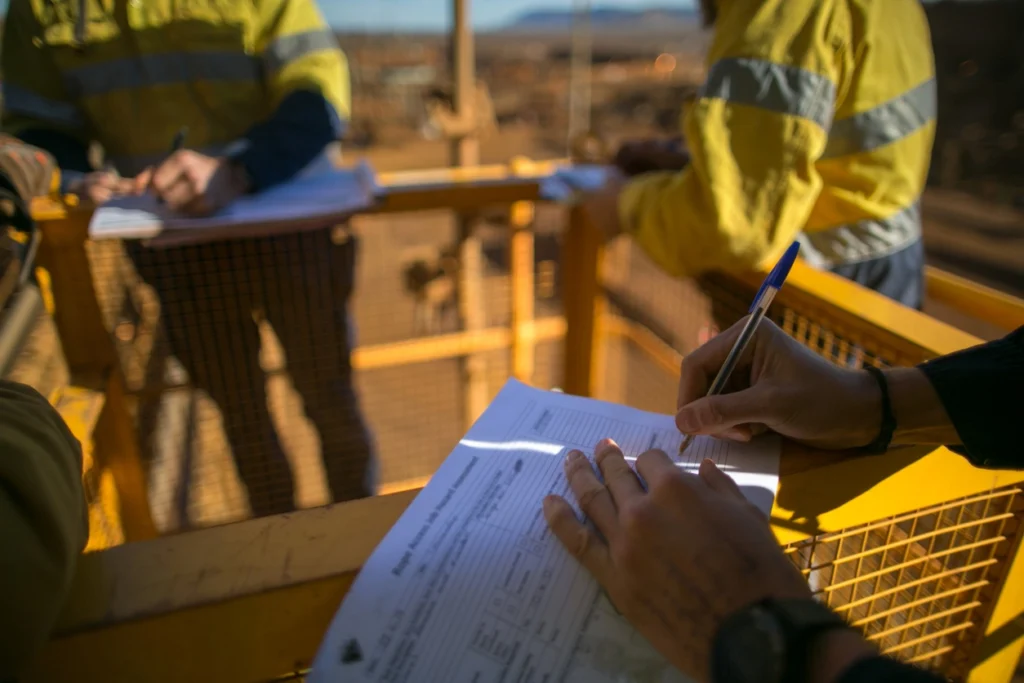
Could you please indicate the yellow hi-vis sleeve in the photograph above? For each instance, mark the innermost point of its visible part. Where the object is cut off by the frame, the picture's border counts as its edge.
(301, 52)
(754, 134)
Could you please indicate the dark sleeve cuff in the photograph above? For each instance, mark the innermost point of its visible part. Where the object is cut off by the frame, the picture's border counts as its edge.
(68, 179)
(980, 389)
(886, 670)
(304, 124)
(69, 153)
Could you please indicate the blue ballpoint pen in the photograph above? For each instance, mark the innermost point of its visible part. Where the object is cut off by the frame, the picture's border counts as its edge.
(769, 288)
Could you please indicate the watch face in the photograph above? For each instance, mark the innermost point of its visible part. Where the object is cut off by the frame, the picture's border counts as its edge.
(750, 648)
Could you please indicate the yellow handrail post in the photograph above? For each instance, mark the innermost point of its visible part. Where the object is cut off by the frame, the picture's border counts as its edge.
(521, 258)
(996, 654)
(582, 254)
(978, 301)
(471, 310)
(90, 351)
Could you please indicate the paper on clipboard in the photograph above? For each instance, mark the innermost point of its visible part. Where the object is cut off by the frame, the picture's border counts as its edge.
(567, 182)
(320, 194)
(469, 585)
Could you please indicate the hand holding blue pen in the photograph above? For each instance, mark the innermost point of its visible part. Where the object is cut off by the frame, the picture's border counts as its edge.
(769, 288)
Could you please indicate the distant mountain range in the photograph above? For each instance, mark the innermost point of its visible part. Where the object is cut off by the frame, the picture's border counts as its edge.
(609, 19)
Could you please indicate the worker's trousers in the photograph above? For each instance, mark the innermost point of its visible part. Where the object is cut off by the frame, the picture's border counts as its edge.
(899, 276)
(213, 297)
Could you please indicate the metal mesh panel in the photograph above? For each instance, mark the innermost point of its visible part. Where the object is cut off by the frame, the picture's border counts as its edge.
(681, 314)
(237, 356)
(919, 585)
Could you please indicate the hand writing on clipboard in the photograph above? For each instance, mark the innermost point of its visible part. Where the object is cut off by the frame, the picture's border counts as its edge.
(194, 183)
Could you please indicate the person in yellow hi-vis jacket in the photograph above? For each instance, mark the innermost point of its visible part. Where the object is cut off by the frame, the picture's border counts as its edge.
(816, 122)
(259, 89)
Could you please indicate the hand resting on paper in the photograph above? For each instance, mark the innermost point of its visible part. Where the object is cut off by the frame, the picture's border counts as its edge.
(193, 183)
(782, 386)
(676, 559)
(101, 186)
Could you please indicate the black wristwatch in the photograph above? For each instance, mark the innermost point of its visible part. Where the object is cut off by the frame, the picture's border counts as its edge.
(770, 641)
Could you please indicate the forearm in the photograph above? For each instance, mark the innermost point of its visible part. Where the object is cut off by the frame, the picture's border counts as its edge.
(920, 415)
(676, 218)
(302, 126)
(969, 398)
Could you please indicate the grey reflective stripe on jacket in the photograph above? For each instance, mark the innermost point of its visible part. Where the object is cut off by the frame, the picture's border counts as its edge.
(141, 71)
(27, 103)
(287, 49)
(862, 241)
(183, 67)
(885, 124)
(774, 87)
(797, 92)
(882, 125)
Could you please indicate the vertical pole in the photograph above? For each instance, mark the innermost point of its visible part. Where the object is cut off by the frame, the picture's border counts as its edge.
(579, 72)
(584, 354)
(466, 152)
(521, 260)
(466, 148)
(89, 351)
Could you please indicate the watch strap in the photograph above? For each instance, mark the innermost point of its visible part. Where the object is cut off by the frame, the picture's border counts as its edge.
(802, 622)
(881, 442)
(880, 669)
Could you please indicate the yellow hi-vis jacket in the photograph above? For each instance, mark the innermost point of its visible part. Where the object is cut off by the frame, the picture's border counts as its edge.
(131, 73)
(816, 116)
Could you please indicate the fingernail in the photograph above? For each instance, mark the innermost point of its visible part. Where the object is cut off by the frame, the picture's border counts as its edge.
(684, 421)
(573, 456)
(603, 445)
(549, 504)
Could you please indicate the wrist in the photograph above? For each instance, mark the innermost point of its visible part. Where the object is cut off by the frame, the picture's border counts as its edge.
(920, 416)
(239, 179)
(864, 409)
(834, 653)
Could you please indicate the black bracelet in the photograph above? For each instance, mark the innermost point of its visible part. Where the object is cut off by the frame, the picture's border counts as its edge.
(881, 442)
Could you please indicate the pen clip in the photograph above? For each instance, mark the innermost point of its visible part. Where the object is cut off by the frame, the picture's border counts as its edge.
(777, 277)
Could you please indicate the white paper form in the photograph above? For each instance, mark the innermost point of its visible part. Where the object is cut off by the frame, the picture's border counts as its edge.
(470, 586)
(319, 193)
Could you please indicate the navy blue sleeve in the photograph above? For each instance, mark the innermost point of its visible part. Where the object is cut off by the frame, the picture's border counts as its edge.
(71, 154)
(303, 125)
(885, 670)
(980, 389)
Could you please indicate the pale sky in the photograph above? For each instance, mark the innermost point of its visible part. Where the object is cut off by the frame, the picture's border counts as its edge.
(360, 15)
(410, 15)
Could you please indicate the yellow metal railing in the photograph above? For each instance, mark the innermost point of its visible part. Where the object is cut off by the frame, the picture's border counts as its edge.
(1000, 310)
(918, 547)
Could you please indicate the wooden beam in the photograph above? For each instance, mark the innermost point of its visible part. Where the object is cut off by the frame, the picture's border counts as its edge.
(235, 603)
(582, 252)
